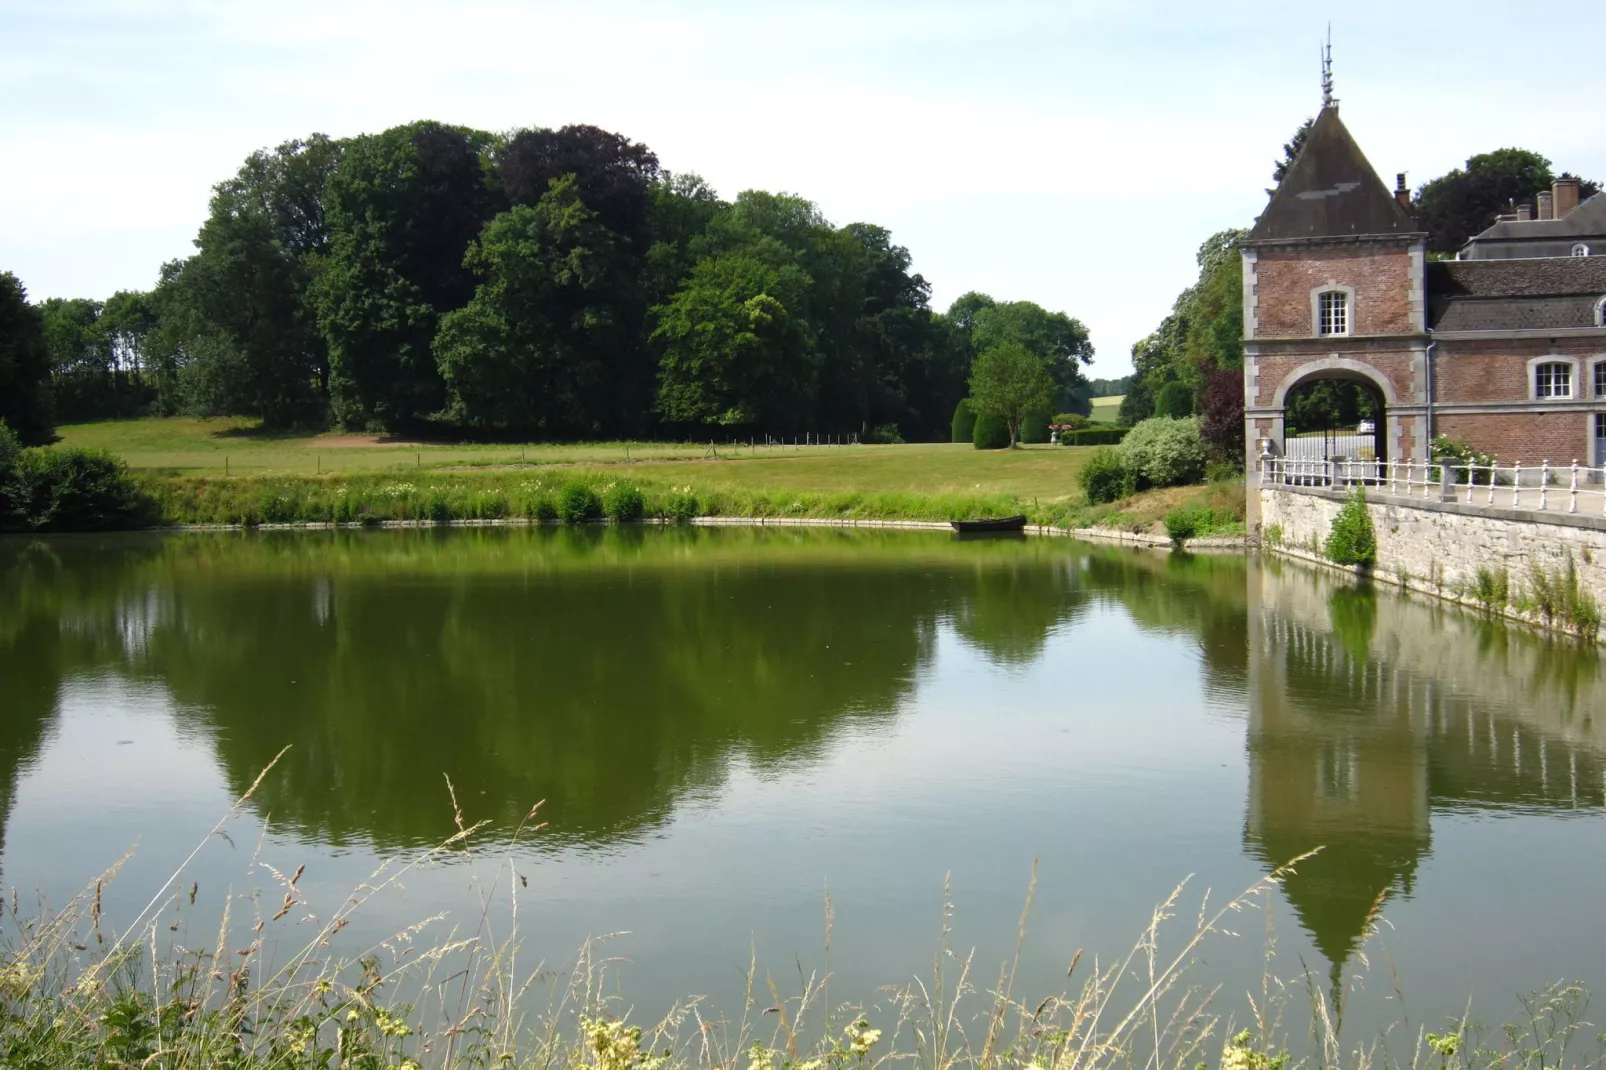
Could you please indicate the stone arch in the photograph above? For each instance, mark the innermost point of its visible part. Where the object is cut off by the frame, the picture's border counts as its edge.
(1335, 368)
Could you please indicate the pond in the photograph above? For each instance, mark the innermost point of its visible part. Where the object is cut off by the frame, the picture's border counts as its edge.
(736, 733)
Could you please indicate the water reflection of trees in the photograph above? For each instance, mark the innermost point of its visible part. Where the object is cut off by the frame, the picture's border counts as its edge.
(609, 673)
(1368, 712)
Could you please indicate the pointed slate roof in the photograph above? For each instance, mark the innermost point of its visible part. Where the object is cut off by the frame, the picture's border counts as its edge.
(1330, 191)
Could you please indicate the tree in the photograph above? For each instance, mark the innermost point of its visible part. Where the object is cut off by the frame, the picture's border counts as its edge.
(1007, 381)
(1060, 341)
(540, 348)
(736, 351)
(80, 358)
(1221, 414)
(613, 175)
(1175, 400)
(237, 328)
(1291, 153)
(402, 208)
(25, 401)
(1466, 201)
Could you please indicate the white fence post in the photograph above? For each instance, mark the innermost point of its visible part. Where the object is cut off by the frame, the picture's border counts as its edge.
(1544, 483)
(1572, 501)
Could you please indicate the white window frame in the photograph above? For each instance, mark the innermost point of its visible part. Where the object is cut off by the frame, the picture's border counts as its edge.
(1316, 296)
(1596, 384)
(1580, 249)
(1574, 370)
(1600, 313)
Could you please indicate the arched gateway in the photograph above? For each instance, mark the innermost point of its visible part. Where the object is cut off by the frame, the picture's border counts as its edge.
(1333, 289)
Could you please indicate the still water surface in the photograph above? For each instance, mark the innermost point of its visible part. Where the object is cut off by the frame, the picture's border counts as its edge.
(727, 725)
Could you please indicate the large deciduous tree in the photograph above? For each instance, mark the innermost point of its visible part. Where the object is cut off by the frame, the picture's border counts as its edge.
(25, 402)
(1466, 201)
(402, 208)
(543, 346)
(237, 323)
(1060, 341)
(613, 175)
(1007, 381)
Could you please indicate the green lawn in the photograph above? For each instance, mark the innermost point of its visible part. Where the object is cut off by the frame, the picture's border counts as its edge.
(1105, 410)
(236, 448)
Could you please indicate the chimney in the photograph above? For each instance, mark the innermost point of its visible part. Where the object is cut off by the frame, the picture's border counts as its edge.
(1402, 196)
(1547, 208)
(1566, 194)
(1524, 213)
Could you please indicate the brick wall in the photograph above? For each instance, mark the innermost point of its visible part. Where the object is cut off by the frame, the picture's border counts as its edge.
(1497, 370)
(1524, 437)
(1380, 274)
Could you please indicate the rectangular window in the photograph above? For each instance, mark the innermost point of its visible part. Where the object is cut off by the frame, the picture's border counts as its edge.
(1600, 379)
(1600, 434)
(1335, 312)
(1553, 381)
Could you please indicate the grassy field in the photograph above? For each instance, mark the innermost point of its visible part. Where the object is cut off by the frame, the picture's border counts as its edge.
(1105, 410)
(234, 448)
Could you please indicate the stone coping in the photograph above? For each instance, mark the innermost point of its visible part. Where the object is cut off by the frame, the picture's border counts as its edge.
(1460, 508)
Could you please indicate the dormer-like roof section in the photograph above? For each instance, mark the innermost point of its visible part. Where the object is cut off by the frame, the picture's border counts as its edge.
(1331, 191)
(1588, 220)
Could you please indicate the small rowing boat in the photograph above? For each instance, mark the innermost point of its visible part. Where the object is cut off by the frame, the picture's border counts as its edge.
(991, 523)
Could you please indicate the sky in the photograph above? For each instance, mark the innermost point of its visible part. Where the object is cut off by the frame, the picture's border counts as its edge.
(1073, 153)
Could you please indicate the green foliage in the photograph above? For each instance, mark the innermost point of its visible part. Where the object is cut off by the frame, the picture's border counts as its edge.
(68, 490)
(1034, 426)
(1094, 436)
(623, 503)
(1466, 201)
(1558, 597)
(1353, 613)
(1274, 535)
(578, 503)
(990, 433)
(1464, 461)
(1326, 404)
(1184, 524)
(1069, 421)
(964, 423)
(25, 401)
(1164, 452)
(1352, 540)
(680, 505)
(1106, 478)
(1008, 381)
(1174, 400)
(1059, 341)
(1492, 588)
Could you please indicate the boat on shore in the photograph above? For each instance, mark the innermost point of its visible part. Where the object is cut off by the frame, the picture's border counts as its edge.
(991, 523)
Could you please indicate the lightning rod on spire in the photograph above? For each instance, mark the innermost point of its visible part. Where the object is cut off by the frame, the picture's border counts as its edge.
(1328, 100)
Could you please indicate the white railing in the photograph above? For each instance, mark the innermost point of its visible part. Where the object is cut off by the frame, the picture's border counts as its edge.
(1544, 487)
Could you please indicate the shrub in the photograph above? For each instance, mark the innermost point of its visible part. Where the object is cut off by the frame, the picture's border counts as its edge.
(1094, 436)
(886, 435)
(1070, 421)
(541, 508)
(681, 505)
(1221, 414)
(623, 503)
(1460, 455)
(1164, 452)
(1183, 524)
(10, 454)
(71, 490)
(1174, 400)
(1105, 478)
(578, 503)
(1351, 540)
(964, 421)
(1034, 426)
(990, 433)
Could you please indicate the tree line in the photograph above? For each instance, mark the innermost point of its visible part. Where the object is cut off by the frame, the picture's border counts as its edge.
(543, 283)
(1192, 364)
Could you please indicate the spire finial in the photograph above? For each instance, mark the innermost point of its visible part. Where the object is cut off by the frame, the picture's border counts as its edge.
(1328, 100)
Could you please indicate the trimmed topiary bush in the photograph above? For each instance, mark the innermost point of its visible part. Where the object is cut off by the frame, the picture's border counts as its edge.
(578, 503)
(623, 503)
(1034, 426)
(1184, 524)
(1163, 452)
(964, 426)
(1094, 436)
(990, 433)
(1352, 540)
(1105, 478)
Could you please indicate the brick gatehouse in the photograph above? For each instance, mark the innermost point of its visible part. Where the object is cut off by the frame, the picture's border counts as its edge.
(1504, 347)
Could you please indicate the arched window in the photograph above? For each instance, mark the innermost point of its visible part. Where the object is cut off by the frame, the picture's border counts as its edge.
(1332, 312)
(1580, 249)
(1553, 379)
(1600, 312)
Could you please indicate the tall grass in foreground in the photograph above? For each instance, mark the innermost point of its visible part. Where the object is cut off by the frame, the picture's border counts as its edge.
(73, 993)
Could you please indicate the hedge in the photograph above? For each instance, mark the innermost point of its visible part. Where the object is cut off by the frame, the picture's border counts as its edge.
(964, 425)
(1094, 436)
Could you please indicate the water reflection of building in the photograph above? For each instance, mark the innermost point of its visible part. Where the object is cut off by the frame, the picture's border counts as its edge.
(1369, 712)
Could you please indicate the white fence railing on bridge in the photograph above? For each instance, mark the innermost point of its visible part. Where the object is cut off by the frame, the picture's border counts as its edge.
(1544, 487)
